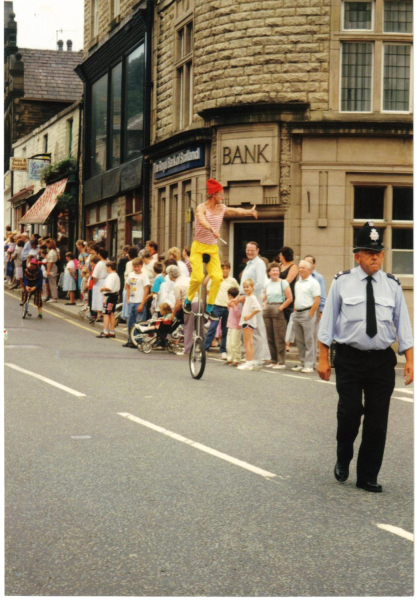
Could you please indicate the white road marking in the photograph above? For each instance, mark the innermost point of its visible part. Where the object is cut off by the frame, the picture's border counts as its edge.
(12, 346)
(46, 380)
(405, 390)
(402, 398)
(397, 531)
(322, 381)
(180, 438)
(81, 437)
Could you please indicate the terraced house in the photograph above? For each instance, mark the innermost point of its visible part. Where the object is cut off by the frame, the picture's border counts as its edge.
(304, 108)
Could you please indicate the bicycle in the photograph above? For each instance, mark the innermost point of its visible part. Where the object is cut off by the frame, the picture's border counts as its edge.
(25, 307)
(197, 361)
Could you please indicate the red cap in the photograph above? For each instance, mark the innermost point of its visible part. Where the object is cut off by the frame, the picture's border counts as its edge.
(213, 186)
(33, 261)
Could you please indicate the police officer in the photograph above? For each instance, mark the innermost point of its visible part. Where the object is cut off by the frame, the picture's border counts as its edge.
(365, 312)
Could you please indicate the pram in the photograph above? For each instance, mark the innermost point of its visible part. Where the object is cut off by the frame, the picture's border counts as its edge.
(148, 334)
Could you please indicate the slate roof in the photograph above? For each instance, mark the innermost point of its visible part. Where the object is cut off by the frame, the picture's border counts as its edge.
(49, 74)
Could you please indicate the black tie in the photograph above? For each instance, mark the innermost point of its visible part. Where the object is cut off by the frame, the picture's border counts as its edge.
(370, 309)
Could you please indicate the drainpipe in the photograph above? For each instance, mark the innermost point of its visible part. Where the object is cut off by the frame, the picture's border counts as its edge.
(77, 212)
(147, 171)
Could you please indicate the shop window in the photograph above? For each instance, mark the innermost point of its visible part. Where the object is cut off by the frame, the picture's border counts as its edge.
(369, 203)
(99, 126)
(357, 15)
(173, 215)
(134, 219)
(115, 114)
(397, 70)
(162, 217)
(135, 77)
(398, 17)
(103, 212)
(184, 75)
(356, 76)
(92, 215)
(114, 209)
(394, 207)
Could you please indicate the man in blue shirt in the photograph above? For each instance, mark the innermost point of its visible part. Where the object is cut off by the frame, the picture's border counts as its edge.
(319, 277)
(365, 313)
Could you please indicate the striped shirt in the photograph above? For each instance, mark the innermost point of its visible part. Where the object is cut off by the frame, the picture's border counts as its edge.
(204, 236)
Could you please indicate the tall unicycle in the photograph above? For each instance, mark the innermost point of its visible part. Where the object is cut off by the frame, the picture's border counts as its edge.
(197, 360)
(25, 307)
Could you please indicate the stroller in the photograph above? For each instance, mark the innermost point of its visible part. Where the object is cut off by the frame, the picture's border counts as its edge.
(148, 334)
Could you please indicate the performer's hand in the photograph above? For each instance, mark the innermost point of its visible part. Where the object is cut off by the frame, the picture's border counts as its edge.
(254, 212)
(215, 233)
(408, 373)
(324, 369)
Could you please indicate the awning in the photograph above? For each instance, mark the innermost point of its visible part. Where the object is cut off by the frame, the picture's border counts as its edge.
(41, 210)
(22, 195)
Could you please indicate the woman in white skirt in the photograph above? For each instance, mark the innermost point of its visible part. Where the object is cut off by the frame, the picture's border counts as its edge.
(70, 277)
(99, 276)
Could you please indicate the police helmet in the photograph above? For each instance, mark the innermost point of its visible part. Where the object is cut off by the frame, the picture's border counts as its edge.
(369, 238)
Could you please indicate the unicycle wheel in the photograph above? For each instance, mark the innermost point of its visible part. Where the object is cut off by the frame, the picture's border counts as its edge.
(197, 358)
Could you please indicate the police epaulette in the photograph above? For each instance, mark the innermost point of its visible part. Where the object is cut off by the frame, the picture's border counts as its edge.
(393, 277)
(341, 273)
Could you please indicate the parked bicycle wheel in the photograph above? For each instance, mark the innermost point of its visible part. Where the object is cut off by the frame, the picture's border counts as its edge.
(197, 358)
(146, 347)
(136, 336)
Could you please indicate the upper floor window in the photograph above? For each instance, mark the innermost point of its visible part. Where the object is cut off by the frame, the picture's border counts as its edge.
(135, 79)
(357, 15)
(184, 75)
(45, 143)
(398, 16)
(356, 76)
(114, 8)
(99, 125)
(397, 78)
(70, 124)
(94, 18)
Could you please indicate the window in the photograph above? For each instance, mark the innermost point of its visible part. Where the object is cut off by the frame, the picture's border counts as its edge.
(134, 216)
(114, 8)
(70, 123)
(184, 75)
(94, 19)
(391, 207)
(45, 143)
(357, 15)
(397, 61)
(173, 215)
(356, 76)
(398, 17)
(115, 114)
(135, 78)
(99, 126)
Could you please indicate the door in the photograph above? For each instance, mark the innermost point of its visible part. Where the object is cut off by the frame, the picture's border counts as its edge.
(269, 236)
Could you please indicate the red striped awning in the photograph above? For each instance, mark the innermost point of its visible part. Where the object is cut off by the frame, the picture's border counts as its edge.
(41, 210)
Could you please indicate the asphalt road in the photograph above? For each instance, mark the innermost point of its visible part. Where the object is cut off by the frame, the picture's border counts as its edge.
(100, 504)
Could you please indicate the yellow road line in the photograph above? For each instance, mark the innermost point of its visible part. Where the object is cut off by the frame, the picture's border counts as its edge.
(70, 321)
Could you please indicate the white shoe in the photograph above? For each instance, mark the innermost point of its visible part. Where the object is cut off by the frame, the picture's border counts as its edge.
(270, 366)
(279, 367)
(223, 355)
(51, 300)
(307, 370)
(257, 367)
(245, 367)
(297, 368)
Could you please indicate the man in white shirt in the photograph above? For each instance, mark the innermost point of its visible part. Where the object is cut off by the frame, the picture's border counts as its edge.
(306, 303)
(137, 291)
(110, 290)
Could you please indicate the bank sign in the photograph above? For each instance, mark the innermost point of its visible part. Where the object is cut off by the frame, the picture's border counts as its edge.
(189, 158)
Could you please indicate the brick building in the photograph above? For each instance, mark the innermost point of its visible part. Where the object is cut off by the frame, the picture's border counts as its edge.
(39, 84)
(303, 107)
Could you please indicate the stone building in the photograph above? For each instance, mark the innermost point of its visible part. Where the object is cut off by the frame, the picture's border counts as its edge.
(116, 76)
(63, 133)
(304, 108)
(38, 84)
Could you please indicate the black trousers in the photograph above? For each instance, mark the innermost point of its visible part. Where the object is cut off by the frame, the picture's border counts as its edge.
(373, 374)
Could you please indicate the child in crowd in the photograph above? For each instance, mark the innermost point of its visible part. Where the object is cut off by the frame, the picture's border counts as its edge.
(43, 263)
(32, 280)
(233, 341)
(85, 274)
(249, 321)
(137, 290)
(17, 257)
(92, 264)
(70, 278)
(110, 291)
(159, 280)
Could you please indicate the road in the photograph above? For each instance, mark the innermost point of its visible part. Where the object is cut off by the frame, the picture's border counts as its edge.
(104, 497)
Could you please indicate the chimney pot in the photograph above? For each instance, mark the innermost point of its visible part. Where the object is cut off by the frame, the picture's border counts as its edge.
(69, 45)
(60, 45)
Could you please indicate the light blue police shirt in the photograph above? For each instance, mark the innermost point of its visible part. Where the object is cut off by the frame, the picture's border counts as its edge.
(255, 269)
(344, 316)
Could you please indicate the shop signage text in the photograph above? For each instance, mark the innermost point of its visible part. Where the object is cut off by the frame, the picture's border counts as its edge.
(186, 159)
(18, 164)
(244, 154)
(35, 167)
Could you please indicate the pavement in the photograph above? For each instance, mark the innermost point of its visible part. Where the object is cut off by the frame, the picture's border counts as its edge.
(126, 477)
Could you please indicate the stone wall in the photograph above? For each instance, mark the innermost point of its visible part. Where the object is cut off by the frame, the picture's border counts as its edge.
(164, 56)
(263, 51)
(104, 19)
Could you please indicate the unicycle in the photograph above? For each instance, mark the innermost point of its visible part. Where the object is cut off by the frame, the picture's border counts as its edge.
(25, 307)
(198, 352)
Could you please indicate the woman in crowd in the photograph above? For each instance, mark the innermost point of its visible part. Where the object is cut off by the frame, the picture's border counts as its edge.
(289, 272)
(52, 269)
(175, 253)
(10, 247)
(82, 258)
(99, 276)
(17, 257)
(132, 253)
(70, 278)
(277, 296)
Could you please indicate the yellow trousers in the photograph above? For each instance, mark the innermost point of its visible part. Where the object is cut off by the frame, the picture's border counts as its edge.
(213, 269)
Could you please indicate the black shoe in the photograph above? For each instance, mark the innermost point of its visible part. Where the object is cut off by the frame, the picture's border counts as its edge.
(39, 316)
(369, 486)
(186, 307)
(103, 335)
(341, 472)
(129, 345)
(210, 316)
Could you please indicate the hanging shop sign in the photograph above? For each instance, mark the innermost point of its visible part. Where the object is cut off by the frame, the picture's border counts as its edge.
(188, 158)
(35, 166)
(18, 164)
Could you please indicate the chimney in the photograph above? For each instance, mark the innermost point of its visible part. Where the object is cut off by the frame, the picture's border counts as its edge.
(69, 45)
(60, 45)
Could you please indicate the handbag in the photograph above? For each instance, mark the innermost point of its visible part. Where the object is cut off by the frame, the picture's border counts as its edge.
(290, 334)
